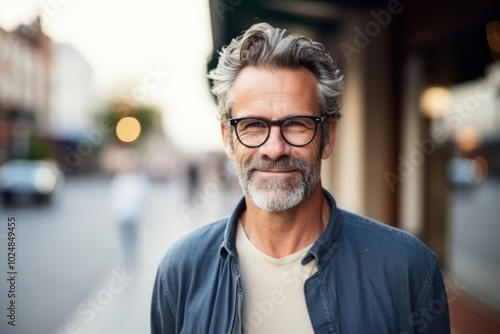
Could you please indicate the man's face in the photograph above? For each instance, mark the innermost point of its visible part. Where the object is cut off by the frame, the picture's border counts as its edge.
(276, 176)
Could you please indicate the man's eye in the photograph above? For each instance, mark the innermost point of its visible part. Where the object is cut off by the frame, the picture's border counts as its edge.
(253, 124)
(296, 124)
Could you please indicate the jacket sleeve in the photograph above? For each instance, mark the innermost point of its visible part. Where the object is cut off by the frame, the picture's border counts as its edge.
(432, 315)
(162, 310)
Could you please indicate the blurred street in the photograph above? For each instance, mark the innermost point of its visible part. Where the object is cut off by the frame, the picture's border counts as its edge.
(71, 275)
(469, 262)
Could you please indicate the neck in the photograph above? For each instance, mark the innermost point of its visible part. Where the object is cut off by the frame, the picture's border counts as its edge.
(279, 234)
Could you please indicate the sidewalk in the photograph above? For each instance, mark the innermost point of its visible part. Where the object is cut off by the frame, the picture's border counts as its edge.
(120, 302)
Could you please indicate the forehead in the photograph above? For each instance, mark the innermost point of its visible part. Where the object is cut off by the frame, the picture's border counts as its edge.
(275, 93)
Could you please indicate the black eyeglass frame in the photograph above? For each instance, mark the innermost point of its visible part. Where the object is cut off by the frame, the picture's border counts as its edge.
(316, 119)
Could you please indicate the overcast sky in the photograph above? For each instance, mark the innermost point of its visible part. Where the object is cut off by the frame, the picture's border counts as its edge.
(125, 40)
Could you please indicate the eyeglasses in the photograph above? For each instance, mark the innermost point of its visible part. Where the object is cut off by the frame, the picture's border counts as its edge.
(296, 130)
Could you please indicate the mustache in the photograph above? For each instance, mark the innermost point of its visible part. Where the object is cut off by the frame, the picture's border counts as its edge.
(281, 164)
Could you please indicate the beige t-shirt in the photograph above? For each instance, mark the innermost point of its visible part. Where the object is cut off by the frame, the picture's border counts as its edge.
(273, 290)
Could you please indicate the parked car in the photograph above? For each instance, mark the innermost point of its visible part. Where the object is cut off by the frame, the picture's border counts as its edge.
(34, 179)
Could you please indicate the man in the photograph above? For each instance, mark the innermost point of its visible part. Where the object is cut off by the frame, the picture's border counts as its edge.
(288, 260)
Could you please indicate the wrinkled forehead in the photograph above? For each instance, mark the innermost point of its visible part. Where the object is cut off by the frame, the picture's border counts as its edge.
(274, 93)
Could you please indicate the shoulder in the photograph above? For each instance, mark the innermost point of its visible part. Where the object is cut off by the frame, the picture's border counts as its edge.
(370, 236)
(196, 249)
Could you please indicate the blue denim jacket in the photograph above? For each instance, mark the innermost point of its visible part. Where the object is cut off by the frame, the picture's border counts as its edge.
(371, 278)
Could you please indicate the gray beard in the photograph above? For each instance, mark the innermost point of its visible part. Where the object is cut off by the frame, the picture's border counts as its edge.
(276, 194)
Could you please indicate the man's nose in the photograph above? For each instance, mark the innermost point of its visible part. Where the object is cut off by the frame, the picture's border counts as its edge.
(275, 146)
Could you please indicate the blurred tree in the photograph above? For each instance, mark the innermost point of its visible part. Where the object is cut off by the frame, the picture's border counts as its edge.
(38, 149)
(148, 116)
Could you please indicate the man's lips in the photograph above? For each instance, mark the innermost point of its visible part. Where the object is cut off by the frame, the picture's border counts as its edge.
(274, 171)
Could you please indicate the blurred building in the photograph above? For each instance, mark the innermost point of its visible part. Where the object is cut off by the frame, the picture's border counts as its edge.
(398, 140)
(25, 56)
(73, 96)
(73, 102)
(47, 98)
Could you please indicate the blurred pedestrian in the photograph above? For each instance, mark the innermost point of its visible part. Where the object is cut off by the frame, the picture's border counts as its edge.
(288, 260)
(128, 189)
(193, 180)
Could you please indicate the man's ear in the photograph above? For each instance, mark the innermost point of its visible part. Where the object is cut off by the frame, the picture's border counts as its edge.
(330, 140)
(227, 138)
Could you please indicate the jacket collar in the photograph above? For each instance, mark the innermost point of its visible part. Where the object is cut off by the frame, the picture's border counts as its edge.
(322, 250)
(228, 246)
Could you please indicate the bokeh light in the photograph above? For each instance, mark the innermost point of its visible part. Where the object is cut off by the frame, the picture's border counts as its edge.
(467, 139)
(479, 166)
(435, 101)
(128, 129)
(493, 35)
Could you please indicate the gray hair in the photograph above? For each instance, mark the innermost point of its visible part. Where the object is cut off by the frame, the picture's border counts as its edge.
(267, 47)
